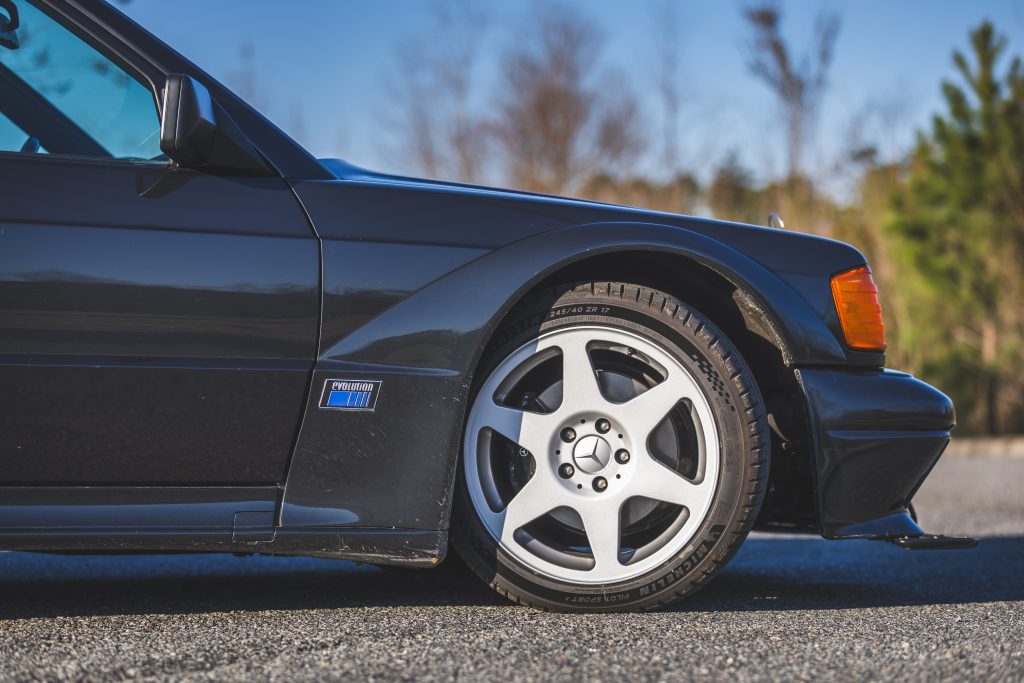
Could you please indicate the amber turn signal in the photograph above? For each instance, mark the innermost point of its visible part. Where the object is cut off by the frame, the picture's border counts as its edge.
(860, 314)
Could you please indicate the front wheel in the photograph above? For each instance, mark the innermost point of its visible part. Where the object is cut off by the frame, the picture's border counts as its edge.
(615, 452)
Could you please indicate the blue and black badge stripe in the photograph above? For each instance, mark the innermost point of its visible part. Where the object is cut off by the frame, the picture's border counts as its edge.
(350, 394)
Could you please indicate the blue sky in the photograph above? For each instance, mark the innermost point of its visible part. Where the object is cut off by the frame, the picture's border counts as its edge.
(321, 66)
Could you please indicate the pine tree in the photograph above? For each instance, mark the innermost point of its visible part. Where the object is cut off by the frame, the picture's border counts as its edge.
(958, 236)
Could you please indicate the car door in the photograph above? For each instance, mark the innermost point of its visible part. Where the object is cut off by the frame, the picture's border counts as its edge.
(157, 325)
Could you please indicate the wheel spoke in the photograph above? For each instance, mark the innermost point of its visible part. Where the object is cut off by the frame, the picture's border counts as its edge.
(536, 497)
(656, 481)
(580, 390)
(601, 522)
(521, 427)
(646, 411)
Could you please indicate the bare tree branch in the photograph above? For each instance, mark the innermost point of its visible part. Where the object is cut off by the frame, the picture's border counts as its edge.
(431, 87)
(558, 121)
(798, 84)
(668, 60)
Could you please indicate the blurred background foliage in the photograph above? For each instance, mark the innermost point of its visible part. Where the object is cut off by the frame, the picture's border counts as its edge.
(943, 227)
(941, 220)
(953, 233)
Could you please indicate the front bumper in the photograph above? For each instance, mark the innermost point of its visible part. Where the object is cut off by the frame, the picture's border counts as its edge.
(876, 437)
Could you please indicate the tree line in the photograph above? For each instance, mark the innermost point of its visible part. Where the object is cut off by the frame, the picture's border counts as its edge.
(942, 223)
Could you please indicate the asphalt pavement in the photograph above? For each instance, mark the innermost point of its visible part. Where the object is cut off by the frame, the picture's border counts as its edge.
(787, 608)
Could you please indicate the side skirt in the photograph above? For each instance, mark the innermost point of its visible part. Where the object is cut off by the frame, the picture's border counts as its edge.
(191, 519)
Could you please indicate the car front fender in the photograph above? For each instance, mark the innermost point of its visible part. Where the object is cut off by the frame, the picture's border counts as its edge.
(395, 466)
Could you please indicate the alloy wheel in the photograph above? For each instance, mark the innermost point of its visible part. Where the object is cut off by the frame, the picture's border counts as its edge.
(591, 455)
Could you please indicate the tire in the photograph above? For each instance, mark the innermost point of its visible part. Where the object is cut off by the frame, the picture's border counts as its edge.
(674, 395)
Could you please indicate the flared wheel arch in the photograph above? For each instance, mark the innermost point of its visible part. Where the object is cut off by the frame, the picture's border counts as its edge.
(752, 327)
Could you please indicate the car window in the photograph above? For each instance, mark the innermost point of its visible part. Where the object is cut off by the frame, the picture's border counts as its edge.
(58, 94)
(13, 137)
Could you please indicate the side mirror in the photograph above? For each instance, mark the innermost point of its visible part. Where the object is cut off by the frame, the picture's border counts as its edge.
(9, 25)
(187, 124)
(195, 132)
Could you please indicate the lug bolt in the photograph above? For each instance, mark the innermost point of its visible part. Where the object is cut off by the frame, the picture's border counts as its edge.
(568, 435)
(622, 456)
(603, 425)
(565, 471)
(600, 484)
